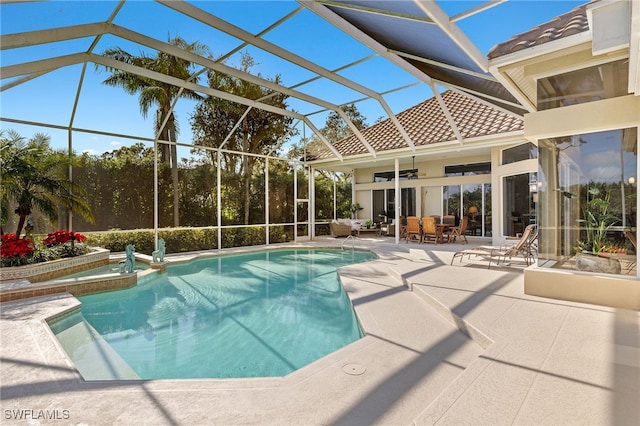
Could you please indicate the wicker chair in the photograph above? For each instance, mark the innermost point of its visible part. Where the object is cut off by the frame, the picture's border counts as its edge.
(339, 229)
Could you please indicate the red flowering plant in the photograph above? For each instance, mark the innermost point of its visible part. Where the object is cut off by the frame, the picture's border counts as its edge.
(61, 237)
(62, 243)
(15, 251)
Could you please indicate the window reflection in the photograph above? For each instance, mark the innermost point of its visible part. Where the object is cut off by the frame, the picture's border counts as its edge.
(585, 85)
(588, 195)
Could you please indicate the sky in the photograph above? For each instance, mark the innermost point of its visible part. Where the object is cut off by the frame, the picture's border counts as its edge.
(50, 97)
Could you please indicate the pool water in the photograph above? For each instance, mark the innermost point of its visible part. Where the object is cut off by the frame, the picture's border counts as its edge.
(253, 315)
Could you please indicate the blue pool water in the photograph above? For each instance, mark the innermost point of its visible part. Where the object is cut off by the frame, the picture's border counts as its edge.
(253, 315)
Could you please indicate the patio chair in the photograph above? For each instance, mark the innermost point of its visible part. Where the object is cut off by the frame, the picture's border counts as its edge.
(429, 230)
(522, 248)
(413, 229)
(340, 229)
(459, 231)
(632, 238)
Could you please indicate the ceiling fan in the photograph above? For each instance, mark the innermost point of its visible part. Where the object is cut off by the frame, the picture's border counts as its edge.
(413, 173)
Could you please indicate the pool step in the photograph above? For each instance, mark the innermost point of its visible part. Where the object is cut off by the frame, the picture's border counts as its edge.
(98, 361)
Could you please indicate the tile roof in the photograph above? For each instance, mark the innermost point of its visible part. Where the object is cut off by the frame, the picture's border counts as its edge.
(572, 22)
(426, 124)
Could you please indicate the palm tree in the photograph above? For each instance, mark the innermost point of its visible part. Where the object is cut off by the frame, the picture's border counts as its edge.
(33, 177)
(162, 95)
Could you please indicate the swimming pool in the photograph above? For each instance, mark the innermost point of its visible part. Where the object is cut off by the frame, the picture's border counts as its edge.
(260, 314)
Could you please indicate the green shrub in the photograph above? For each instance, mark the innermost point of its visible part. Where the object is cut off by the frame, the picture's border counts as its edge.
(178, 240)
(182, 240)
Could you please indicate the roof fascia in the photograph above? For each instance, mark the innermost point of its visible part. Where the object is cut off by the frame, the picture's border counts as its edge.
(445, 23)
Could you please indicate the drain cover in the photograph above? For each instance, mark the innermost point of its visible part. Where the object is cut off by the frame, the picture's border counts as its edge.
(354, 369)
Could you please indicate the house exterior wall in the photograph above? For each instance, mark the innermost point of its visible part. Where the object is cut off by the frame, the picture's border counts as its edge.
(607, 41)
(426, 195)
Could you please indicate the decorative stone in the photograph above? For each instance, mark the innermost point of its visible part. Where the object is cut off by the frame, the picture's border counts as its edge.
(593, 263)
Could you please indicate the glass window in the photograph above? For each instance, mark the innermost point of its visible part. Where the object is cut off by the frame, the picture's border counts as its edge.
(519, 203)
(387, 197)
(522, 152)
(472, 201)
(379, 206)
(390, 176)
(468, 169)
(587, 196)
(408, 201)
(586, 85)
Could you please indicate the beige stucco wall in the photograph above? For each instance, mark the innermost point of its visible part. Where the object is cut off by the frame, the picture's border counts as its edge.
(607, 114)
(607, 290)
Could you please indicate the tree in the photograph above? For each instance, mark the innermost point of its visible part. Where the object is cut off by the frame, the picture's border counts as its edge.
(259, 132)
(33, 178)
(334, 130)
(162, 95)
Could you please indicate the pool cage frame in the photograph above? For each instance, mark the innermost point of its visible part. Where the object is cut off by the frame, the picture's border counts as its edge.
(462, 58)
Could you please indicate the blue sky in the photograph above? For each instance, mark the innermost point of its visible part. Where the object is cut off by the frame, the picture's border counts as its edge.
(49, 98)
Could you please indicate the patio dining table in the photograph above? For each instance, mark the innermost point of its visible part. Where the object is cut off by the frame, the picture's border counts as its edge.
(441, 229)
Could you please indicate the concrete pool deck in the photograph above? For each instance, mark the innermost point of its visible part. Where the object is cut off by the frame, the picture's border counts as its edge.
(465, 346)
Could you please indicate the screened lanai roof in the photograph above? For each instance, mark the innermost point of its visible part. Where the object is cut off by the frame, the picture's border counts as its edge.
(385, 56)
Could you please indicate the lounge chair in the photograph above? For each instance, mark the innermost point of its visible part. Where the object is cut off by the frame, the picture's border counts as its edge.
(413, 231)
(524, 248)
